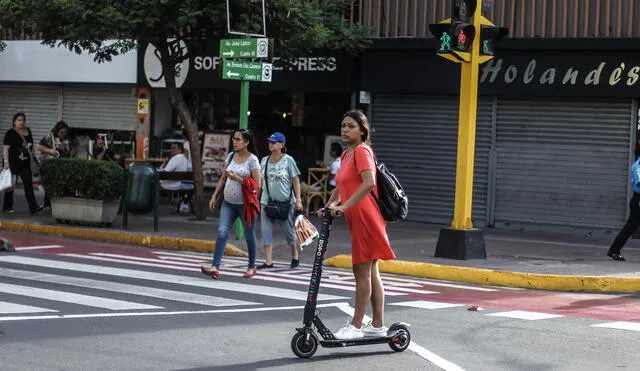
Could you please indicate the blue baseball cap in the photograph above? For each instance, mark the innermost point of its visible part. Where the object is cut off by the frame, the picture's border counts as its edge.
(277, 137)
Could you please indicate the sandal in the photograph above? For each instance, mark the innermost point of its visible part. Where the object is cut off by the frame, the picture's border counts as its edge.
(213, 273)
(250, 273)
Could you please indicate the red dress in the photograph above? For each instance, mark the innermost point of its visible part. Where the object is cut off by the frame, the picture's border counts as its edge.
(369, 240)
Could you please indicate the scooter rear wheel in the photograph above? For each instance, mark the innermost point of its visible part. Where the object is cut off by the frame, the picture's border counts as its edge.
(403, 339)
(301, 349)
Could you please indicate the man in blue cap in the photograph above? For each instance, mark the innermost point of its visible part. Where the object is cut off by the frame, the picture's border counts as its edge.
(280, 192)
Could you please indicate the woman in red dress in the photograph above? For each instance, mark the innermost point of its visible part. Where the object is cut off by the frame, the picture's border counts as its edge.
(369, 240)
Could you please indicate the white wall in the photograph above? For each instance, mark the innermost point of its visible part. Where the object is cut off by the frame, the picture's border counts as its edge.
(30, 61)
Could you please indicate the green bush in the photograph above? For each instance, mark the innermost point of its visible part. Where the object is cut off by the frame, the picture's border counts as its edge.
(74, 177)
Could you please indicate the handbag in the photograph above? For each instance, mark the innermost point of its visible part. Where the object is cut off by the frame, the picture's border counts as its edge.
(275, 210)
(33, 162)
(5, 180)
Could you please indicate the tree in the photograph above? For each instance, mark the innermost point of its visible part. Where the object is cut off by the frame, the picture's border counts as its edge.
(297, 27)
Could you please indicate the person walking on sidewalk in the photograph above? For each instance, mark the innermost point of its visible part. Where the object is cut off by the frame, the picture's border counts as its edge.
(633, 222)
(280, 198)
(242, 168)
(369, 241)
(18, 152)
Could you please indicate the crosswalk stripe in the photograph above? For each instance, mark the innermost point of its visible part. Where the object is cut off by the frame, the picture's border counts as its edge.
(519, 314)
(620, 325)
(127, 257)
(69, 297)
(424, 304)
(169, 278)
(213, 301)
(275, 277)
(26, 248)
(12, 308)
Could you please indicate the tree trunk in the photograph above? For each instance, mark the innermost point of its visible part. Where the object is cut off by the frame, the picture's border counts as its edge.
(191, 127)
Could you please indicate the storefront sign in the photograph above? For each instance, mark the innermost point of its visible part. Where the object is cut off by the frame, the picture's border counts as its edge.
(535, 73)
(323, 71)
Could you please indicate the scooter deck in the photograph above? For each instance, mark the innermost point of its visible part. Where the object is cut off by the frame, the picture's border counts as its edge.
(359, 341)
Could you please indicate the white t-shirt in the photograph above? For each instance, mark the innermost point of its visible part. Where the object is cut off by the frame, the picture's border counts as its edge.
(177, 163)
(233, 189)
(335, 166)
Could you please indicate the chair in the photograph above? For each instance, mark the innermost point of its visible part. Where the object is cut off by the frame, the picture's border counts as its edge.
(317, 185)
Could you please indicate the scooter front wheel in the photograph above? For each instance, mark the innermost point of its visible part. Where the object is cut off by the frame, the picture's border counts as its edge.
(301, 347)
(401, 339)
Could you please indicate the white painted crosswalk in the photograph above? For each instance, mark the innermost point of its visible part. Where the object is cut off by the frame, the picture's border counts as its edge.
(48, 285)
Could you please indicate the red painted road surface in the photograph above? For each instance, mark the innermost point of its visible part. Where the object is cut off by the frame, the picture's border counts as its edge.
(615, 307)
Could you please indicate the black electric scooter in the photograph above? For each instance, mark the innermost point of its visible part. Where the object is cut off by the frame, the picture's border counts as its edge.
(305, 341)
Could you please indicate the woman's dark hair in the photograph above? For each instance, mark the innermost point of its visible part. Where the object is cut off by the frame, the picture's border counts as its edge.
(248, 136)
(359, 117)
(16, 116)
(337, 148)
(59, 126)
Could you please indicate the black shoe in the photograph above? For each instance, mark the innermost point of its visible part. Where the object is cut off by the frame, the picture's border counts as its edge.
(295, 263)
(616, 256)
(265, 266)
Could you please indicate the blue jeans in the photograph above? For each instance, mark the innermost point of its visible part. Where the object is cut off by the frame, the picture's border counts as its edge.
(228, 215)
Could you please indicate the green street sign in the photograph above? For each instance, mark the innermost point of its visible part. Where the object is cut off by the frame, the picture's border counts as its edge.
(245, 70)
(244, 48)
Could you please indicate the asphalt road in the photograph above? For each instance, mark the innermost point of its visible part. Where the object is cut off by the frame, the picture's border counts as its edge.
(78, 305)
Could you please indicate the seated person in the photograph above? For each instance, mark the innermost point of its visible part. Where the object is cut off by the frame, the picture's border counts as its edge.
(101, 152)
(178, 162)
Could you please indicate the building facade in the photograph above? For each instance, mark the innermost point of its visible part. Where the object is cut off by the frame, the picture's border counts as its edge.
(52, 84)
(557, 111)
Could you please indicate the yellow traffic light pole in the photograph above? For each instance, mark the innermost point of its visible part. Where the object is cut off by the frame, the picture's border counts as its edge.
(467, 114)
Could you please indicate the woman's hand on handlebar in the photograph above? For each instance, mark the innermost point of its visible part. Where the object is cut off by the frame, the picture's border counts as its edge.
(337, 211)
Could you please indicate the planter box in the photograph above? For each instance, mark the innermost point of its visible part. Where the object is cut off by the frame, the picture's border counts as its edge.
(84, 210)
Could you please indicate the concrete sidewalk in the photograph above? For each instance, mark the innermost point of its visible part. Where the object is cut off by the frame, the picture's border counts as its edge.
(542, 260)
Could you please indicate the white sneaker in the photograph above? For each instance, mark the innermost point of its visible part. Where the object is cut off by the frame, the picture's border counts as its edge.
(369, 330)
(348, 332)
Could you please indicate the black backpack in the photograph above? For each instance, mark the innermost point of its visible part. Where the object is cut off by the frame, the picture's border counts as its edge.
(392, 201)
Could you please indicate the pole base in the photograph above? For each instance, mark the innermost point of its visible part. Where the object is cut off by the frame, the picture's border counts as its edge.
(6, 245)
(461, 244)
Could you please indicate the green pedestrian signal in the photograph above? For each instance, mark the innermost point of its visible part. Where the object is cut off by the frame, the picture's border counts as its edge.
(445, 42)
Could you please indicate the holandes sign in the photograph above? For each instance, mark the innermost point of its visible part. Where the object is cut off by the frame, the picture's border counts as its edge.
(327, 71)
(536, 73)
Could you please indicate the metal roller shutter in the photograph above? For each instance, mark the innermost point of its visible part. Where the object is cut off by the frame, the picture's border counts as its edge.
(99, 107)
(38, 102)
(562, 162)
(416, 136)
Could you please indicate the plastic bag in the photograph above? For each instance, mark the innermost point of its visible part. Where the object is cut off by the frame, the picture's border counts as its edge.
(305, 231)
(5, 180)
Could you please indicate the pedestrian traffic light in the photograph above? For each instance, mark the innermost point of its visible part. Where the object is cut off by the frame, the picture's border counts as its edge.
(462, 29)
(442, 32)
(463, 35)
(463, 10)
(489, 36)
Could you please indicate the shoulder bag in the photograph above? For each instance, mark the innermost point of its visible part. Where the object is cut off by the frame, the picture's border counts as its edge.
(33, 162)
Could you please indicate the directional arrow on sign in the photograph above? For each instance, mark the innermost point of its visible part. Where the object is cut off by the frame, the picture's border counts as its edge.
(232, 74)
(229, 53)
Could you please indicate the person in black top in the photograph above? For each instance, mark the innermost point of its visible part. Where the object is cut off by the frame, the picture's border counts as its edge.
(101, 152)
(17, 150)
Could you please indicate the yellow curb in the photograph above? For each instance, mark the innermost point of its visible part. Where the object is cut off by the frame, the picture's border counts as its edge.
(500, 278)
(173, 243)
